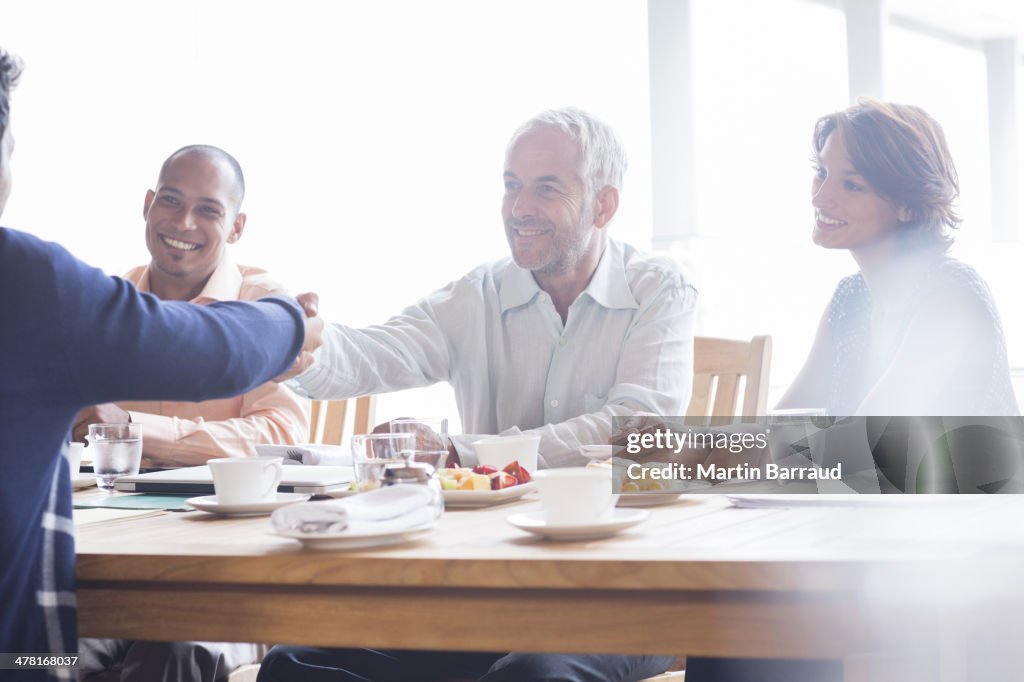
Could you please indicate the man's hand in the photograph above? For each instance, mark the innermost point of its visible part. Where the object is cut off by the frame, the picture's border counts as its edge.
(301, 364)
(107, 413)
(314, 334)
(639, 425)
(426, 438)
(310, 303)
(314, 327)
(453, 457)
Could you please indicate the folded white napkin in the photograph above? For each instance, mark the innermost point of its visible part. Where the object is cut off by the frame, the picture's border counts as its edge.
(388, 510)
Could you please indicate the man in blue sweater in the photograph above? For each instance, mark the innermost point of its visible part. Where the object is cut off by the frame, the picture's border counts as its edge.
(71, 336)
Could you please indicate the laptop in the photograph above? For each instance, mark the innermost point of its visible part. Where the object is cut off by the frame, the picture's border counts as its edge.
(309, 480)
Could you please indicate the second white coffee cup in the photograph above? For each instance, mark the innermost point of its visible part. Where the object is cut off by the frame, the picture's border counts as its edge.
(576, 495)
(246, 480)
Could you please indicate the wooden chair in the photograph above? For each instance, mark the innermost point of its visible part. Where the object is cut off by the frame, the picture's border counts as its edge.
(720, 366)
(327, 418)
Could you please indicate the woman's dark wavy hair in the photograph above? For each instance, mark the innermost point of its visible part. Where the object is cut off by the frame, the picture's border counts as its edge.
(901, 152)
(10, 70)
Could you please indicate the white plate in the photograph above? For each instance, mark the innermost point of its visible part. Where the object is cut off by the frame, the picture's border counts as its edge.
(647, 499)
(533, 522)
(347, 539)
(209, 503)
(83, 481)
(485, 498)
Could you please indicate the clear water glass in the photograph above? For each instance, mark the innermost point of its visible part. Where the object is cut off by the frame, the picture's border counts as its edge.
(116, 451)
(432, 440)
(372, 453)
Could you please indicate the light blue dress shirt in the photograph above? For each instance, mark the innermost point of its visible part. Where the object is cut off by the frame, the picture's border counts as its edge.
(495, 336)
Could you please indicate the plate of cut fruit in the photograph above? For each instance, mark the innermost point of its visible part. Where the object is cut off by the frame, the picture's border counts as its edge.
(482, 486)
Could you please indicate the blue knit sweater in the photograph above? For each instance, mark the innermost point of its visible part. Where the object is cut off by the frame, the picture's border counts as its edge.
(71, 336)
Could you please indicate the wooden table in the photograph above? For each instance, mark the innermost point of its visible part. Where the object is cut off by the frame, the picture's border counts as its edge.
(698, 577)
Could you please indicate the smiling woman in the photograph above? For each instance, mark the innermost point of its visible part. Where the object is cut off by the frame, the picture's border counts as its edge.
(848, 214)
(915, 332)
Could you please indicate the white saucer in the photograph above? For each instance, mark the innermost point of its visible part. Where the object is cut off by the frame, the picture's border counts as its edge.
(83, 481)
(209, 503)
(533, 522)
(347, 539)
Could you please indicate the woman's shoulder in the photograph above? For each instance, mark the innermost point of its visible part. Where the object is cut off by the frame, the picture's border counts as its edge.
(953, 277)
(953, 296)
(851, 285)
(848, 310)
(850, 291)
(950, 271)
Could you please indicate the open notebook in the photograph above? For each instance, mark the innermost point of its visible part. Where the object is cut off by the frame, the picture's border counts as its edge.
(309, 480)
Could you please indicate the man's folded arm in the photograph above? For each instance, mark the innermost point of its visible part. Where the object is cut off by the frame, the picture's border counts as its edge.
(270, 414)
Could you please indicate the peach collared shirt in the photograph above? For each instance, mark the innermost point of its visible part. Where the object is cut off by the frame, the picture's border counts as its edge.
(187, 434)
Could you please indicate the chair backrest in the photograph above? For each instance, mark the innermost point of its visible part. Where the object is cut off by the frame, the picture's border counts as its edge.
(327, 419)
(719, 368)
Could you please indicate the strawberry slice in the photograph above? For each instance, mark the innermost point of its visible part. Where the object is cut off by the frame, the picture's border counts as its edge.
(485, 469)
(501, 479)
(519, 473)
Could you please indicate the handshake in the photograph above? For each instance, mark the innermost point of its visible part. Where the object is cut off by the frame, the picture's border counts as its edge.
(314, 327)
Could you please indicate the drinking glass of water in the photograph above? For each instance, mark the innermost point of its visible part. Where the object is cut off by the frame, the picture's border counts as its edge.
(432, 439)
(116, 451)
(372, 453)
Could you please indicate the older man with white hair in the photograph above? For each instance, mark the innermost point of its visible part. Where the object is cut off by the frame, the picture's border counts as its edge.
(573, 330)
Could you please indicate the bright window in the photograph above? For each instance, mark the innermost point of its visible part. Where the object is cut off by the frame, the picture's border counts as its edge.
(764, 72)
(372, 134)
(948, 81)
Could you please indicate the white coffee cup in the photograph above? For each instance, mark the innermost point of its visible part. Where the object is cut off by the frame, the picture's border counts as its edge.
(246, 480)
(500, 451)
(74, 455)
(576, 495)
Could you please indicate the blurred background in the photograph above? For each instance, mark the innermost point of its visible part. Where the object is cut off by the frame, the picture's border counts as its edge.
(372, 135)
